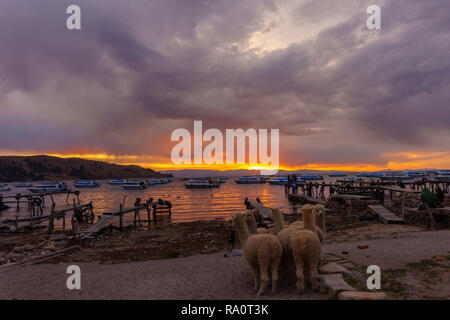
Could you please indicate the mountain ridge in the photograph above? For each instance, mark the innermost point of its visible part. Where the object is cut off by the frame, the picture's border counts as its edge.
(43, 167)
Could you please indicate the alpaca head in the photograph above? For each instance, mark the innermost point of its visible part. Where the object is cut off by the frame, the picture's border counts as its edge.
(251, 222)
(240, 226)
(308, 217)
(320, 216)
(277, 217)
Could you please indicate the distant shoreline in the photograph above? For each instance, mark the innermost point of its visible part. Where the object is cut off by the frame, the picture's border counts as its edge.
(49, 168)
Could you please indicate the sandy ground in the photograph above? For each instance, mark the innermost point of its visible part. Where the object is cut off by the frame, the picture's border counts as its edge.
(210, 276)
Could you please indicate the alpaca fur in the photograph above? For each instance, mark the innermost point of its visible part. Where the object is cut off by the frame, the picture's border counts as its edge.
(310, 221)
(306, 253)
(251, 223)
(262, 252)
(286, 236)
(320, 217)
(278, 220)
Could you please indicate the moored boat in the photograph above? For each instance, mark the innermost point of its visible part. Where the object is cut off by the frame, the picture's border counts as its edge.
(201, 184)
(135, 185)
(117, 182)
(338, 175)
(443, 175)
(352, 179)
(279, 181)
(395, 176)
(86, 184)
(4, 187)
(49, 187)
(23, 185)
(415, 174)
(154, 181)
(311, 177)
(250, 180)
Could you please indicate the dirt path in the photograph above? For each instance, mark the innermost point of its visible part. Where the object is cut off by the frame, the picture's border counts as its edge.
(207, 276)
(394, 250)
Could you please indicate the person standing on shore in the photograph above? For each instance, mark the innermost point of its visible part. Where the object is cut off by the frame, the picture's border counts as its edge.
(294, 184)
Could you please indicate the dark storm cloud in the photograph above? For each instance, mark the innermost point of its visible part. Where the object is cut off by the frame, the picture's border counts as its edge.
(137, 71)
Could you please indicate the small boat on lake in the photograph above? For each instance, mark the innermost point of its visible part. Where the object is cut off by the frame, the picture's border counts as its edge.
(311, 177)
(201, 184)
(415, 174)
(251, 180)
(279, 181)
(352, 179)
(118, 182)
(395, 176)
(4, 187)
(443, 175)
(338, 175)
(158, 181)
(135, 185)
(86, 184)
(49, 187)
(23, 185)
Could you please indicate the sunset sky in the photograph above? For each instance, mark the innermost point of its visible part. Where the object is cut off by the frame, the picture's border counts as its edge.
(344, 97)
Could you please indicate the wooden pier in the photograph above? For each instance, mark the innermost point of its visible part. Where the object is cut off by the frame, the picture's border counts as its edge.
(384, 214)
(305, 199)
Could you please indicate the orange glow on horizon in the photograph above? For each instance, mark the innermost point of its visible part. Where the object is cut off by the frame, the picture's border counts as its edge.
(398, 161)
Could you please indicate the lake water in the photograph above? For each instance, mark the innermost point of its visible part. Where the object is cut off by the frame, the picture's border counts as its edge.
(187, 204)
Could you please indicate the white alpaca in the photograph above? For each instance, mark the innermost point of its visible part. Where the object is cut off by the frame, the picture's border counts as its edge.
(252, 226)
(310, 219)
(306, 253)
(262, 252)
(286, 233)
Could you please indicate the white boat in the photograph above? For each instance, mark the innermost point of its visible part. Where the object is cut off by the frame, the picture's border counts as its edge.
(351, 179)
(4, 187)
(23, 185)
(338, 175)
(49, 187)
(201, 184)
(395, 176)
(311, 177)
(250, 180)
(279, 181)
(86, 184)
(118, 182)
(158, 181)
(135, 185)
(415, 174)
(443, 175)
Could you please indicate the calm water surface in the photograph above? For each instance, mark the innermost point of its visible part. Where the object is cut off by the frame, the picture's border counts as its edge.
(188, 204)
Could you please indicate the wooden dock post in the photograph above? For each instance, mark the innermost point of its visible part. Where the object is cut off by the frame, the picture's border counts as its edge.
(51, 219)
(147, 207)
(31, 219)
(120, 217)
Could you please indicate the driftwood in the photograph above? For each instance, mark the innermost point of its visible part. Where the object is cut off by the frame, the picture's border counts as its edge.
(430, 215)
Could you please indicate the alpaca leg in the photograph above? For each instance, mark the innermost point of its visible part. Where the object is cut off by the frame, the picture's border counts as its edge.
(274, 272)
(300, 276)
(264, 274)
(314, 277)
(255, 271)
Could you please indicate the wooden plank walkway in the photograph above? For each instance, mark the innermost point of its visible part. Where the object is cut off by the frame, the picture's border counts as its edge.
(103, 222)
(398, 189)
(261, 208)
(351, 197)
(384, 214)
(305, 199)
